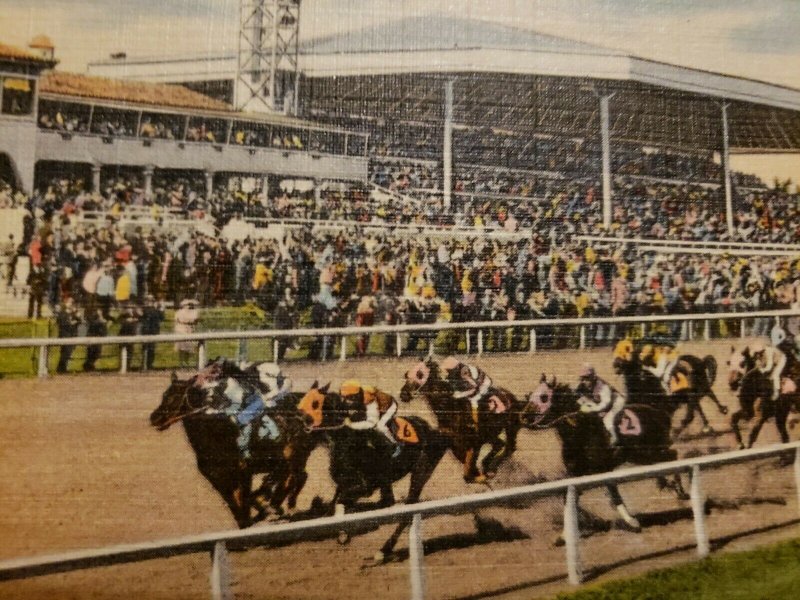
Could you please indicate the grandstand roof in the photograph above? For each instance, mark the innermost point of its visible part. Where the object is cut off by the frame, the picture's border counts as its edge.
(440, 32)
(526, 81)
(137, 92)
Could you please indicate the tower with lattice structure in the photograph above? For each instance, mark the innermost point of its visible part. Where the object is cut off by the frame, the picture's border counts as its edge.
(267, 70)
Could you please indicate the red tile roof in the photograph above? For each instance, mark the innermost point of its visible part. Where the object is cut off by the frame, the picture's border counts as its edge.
(20, 54)
(119, 90)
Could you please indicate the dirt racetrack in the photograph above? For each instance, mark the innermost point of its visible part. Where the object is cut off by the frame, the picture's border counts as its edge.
(81, 468)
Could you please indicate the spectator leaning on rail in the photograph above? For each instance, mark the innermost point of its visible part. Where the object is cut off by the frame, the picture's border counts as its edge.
(67, 322)
(186, 319)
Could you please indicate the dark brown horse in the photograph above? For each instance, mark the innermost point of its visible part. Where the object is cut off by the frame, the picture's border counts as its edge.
(644, 437)
(755, 398)
(213, 438)
(360, 461)
(455, 419)
(691, 380)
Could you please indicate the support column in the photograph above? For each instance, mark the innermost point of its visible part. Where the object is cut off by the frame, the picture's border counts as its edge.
(725, 158)
(96, 179)
(605, 131)
(209, 183)
(265, 190)
(447, 145)
(148, 182)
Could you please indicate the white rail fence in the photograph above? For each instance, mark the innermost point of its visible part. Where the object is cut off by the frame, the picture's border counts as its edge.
(478, 327)
(219, 543)
(705, 246)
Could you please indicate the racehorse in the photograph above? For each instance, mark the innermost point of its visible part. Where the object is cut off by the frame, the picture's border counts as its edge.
(456, 421)
(755, 397)
(359, 461)
(213, 439)
(691, 380)
(644, 438)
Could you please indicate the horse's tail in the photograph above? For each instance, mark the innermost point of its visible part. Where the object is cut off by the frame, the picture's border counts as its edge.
(710, 365)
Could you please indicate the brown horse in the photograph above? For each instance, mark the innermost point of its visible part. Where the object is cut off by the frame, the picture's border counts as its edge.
(691, 380)
(456, 421)
(213, 439)
(359, 462)
(585, 443)
(755, 397)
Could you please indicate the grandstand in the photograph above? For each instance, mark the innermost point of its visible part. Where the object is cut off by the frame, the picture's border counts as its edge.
(455, 91)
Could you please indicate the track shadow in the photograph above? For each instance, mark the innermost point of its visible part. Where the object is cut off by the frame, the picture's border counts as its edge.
(487, 531)
(721, 542)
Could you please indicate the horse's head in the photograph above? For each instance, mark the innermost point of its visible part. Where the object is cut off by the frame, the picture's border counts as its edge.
(180, 400)
(320, 408)
(624, 356)
(417, 377)
(739, 364)
(546, 403)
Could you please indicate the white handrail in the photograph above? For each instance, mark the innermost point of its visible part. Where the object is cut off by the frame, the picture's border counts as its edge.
(292, 532)
(691, 243)
(354, 331)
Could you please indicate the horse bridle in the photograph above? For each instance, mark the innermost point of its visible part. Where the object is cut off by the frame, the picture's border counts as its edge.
(185, 402)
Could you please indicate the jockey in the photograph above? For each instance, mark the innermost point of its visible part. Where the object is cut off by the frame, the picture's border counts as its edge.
(246, 400)
(661, 362)
(471, 383)
(381, 408)
(784, 342)
(770, 361)
(597, 397)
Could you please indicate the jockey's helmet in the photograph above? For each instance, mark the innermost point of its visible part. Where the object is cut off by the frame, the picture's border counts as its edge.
(588, 372)
(351, 387)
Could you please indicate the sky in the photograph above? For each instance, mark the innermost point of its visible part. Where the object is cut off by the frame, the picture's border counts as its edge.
(751, 38)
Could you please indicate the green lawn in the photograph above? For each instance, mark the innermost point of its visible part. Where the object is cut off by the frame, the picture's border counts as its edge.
(771, 573)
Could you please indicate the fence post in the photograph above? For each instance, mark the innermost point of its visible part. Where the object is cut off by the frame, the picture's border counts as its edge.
(242, 353)
(275, 347)
(42, 372)
(480, 342)
(743, 328)
(582, 337)
(399, 344)
(644, 329)
(532, 342)
(698, 500)
(416, 558)
(572, 537)
(797, 474)
(468, 341)
(707, 330)
(123, 360)
(691, 330)
(220, 573)
(343, 351)
(201, 355)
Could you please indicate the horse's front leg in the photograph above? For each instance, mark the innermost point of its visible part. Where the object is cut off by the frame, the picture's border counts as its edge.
(471, 473)
(622, 510)
(735, 418)
(761, 418)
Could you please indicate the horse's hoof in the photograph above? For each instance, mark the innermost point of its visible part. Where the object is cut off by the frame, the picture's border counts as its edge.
(377, 559)
(559, 541)
(724, 410)
(741, 446)
(707, 429)
(343, 538)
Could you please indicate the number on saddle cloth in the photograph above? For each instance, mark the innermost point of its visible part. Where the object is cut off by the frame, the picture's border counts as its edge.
(404, 431)
(628, 423)
(678, 382)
